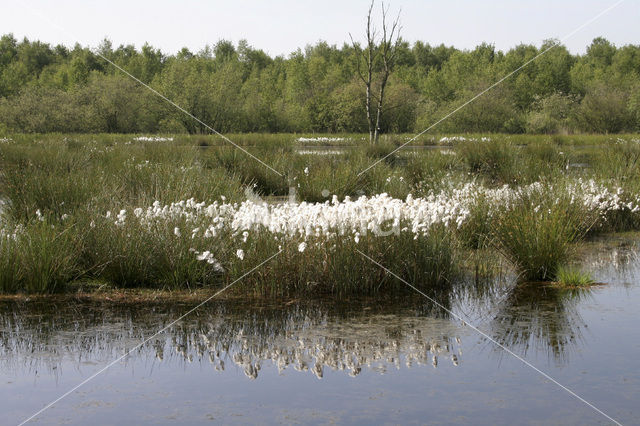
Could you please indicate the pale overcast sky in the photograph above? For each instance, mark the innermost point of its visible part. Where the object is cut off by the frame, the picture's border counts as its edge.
(281, 26)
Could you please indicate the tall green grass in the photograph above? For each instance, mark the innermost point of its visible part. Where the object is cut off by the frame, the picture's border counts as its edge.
(39, 259)
(496, 160)
(134, 255)
(73, 180)
(537, 233)
(334, 266)
(572, 277)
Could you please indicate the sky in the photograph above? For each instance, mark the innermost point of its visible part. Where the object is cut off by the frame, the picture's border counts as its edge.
(279, 27)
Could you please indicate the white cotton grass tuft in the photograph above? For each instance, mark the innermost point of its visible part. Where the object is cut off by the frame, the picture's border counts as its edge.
(449, 139)
(323, 139)
(380, 215)
(153, 139)
(204, 255)
(11, 234)
(207, 256)
(121, 218)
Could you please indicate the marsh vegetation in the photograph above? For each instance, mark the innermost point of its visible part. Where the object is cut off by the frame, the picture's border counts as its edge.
(120, 211)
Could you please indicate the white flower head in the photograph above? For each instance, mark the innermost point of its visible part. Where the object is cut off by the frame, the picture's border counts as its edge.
(204, 255)
(240, 254)
(121, 218)
(302, 246)
(216, 265)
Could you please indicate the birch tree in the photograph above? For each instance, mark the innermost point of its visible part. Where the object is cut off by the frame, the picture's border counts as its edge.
(374, 63)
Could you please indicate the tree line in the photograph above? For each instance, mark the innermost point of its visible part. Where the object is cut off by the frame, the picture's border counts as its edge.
(237, 88)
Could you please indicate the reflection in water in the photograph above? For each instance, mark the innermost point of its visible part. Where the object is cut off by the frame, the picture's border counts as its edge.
(42, 336)
(170, 376)
(613, 259)
(537, 317)
(543, 318)
(540, 317)
(46, 335)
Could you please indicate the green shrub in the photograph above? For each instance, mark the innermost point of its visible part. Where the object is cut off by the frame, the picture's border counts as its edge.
(550, 114)
(604, 110)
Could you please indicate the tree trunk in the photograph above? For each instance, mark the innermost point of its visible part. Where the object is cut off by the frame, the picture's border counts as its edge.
(386, 49)
(369, 118)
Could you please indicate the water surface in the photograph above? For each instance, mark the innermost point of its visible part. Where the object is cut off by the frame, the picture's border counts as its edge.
(359, 362)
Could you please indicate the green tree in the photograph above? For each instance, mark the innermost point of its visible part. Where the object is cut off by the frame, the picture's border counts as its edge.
(604, 109)
(550, 114)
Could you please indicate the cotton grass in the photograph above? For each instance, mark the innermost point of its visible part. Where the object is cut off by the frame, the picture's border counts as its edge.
(173, 214)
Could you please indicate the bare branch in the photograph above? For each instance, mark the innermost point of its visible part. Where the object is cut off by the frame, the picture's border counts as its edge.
(385, 49)
(359, 53)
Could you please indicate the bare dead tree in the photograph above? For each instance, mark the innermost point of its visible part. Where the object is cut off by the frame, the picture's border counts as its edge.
(376, 75)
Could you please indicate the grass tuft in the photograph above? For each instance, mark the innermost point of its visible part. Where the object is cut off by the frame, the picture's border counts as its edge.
(568, 276)
(538, 231)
